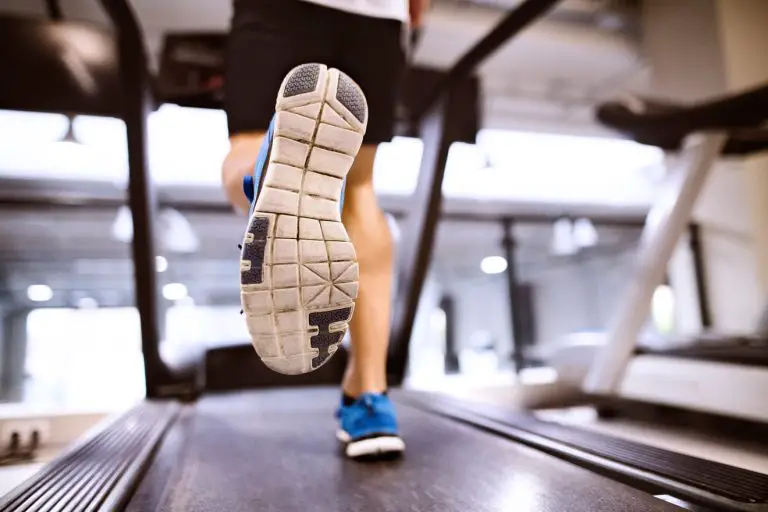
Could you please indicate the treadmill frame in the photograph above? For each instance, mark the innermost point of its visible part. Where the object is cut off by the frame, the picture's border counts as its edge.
(703, 386)
(666, 222)
(142, 201)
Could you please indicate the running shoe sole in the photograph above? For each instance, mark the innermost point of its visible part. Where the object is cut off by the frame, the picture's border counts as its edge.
(299, 272)
(371, 447)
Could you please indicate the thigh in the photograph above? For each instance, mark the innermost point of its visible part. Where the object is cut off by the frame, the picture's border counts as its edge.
(372, 53)
(267, 39)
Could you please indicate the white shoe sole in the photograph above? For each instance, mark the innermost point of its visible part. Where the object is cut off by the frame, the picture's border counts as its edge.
(371, 447)
(298, 270)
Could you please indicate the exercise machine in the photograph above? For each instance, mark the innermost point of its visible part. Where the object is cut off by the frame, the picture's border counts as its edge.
(712, 374)
(227, 434)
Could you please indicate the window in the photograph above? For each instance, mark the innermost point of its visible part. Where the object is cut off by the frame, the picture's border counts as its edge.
(83, 358)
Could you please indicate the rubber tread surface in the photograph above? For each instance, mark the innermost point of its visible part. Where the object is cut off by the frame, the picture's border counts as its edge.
(275, 451)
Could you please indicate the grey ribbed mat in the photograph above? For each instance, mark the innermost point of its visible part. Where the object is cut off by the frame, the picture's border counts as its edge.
(99, 473)
(276, 451)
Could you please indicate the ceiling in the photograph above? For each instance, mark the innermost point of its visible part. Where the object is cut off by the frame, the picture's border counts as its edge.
(549, 78)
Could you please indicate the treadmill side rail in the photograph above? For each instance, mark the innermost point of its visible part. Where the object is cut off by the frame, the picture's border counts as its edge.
(100, 472)
(666, 222)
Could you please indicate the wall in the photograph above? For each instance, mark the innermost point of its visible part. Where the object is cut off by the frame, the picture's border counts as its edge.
(481, 306)
(744, 40)
(580, 295)
(569, 296)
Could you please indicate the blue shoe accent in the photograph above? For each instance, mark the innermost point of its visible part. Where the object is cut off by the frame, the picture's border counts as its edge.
(251, 182)
(371, 415)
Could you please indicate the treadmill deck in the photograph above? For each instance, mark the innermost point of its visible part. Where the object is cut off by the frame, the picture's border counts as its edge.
(276, 451)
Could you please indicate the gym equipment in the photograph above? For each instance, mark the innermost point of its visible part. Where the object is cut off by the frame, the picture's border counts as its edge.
(724, 376)
(240, 446)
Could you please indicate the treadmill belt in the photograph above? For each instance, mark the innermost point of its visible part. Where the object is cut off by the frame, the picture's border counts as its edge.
(275, 451)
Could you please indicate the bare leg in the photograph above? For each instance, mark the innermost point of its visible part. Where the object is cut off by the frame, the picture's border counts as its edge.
(243, 152)
(369, 231)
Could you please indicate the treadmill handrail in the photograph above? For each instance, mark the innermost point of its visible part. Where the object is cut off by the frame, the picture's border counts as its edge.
(747, 109)
(142, 200)
(665, 223)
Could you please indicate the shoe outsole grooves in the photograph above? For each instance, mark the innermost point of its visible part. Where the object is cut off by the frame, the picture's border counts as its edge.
(299, 272)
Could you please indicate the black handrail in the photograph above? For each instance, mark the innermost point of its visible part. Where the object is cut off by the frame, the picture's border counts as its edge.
(137, 104)
(667, 125)
(53, 8)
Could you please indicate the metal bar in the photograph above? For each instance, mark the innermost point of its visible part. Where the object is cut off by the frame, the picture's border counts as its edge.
(513, 291)
(417, 240)
(762, 323)
(137, 105)
(697, 251)
(53, 9)
(514, 22)
(666, 222)
(451, 360)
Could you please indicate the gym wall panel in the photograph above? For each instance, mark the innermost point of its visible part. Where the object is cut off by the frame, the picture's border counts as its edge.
(687, 47)
(744, 40)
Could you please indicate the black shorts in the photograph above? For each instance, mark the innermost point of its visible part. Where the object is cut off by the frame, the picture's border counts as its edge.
(268, 38)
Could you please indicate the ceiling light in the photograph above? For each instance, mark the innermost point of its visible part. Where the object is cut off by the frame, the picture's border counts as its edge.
(122, 227)
(39, 293)
(174, 291)
(176, 233)
(584, 233)
(87, 303)
(563, 243)
(161, 264)
(493, 265)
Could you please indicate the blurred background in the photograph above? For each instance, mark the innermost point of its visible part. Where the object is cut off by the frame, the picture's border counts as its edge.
(544, 193)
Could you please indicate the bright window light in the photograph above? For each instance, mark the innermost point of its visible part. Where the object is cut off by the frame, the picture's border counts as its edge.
(493, 265)
(39, 293)
(396, 167)
(663, 309)
(161, 264)
(186, 143)
(174, 291)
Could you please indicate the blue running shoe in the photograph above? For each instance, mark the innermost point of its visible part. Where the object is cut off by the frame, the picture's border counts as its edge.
(298, 269)
(368, 427)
